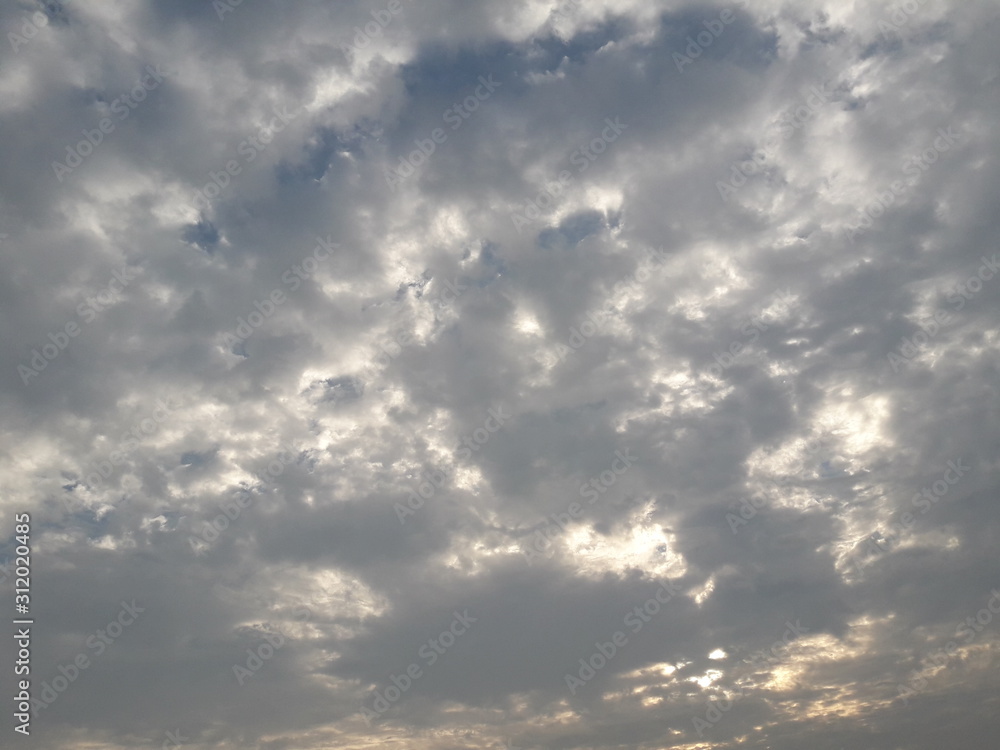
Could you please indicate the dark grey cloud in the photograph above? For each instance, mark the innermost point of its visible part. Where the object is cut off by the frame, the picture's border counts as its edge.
(339, 327)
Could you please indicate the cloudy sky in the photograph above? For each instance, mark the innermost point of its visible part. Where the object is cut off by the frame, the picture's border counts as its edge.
(534, 374)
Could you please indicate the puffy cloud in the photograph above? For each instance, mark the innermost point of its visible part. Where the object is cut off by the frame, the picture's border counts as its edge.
(334, 322)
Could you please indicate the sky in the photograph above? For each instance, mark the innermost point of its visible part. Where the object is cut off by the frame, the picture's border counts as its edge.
(540, 374)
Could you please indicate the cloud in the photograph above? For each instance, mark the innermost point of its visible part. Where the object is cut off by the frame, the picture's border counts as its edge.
(327, 342)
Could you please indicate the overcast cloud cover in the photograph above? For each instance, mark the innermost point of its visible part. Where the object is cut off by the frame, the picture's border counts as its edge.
(657, 335)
